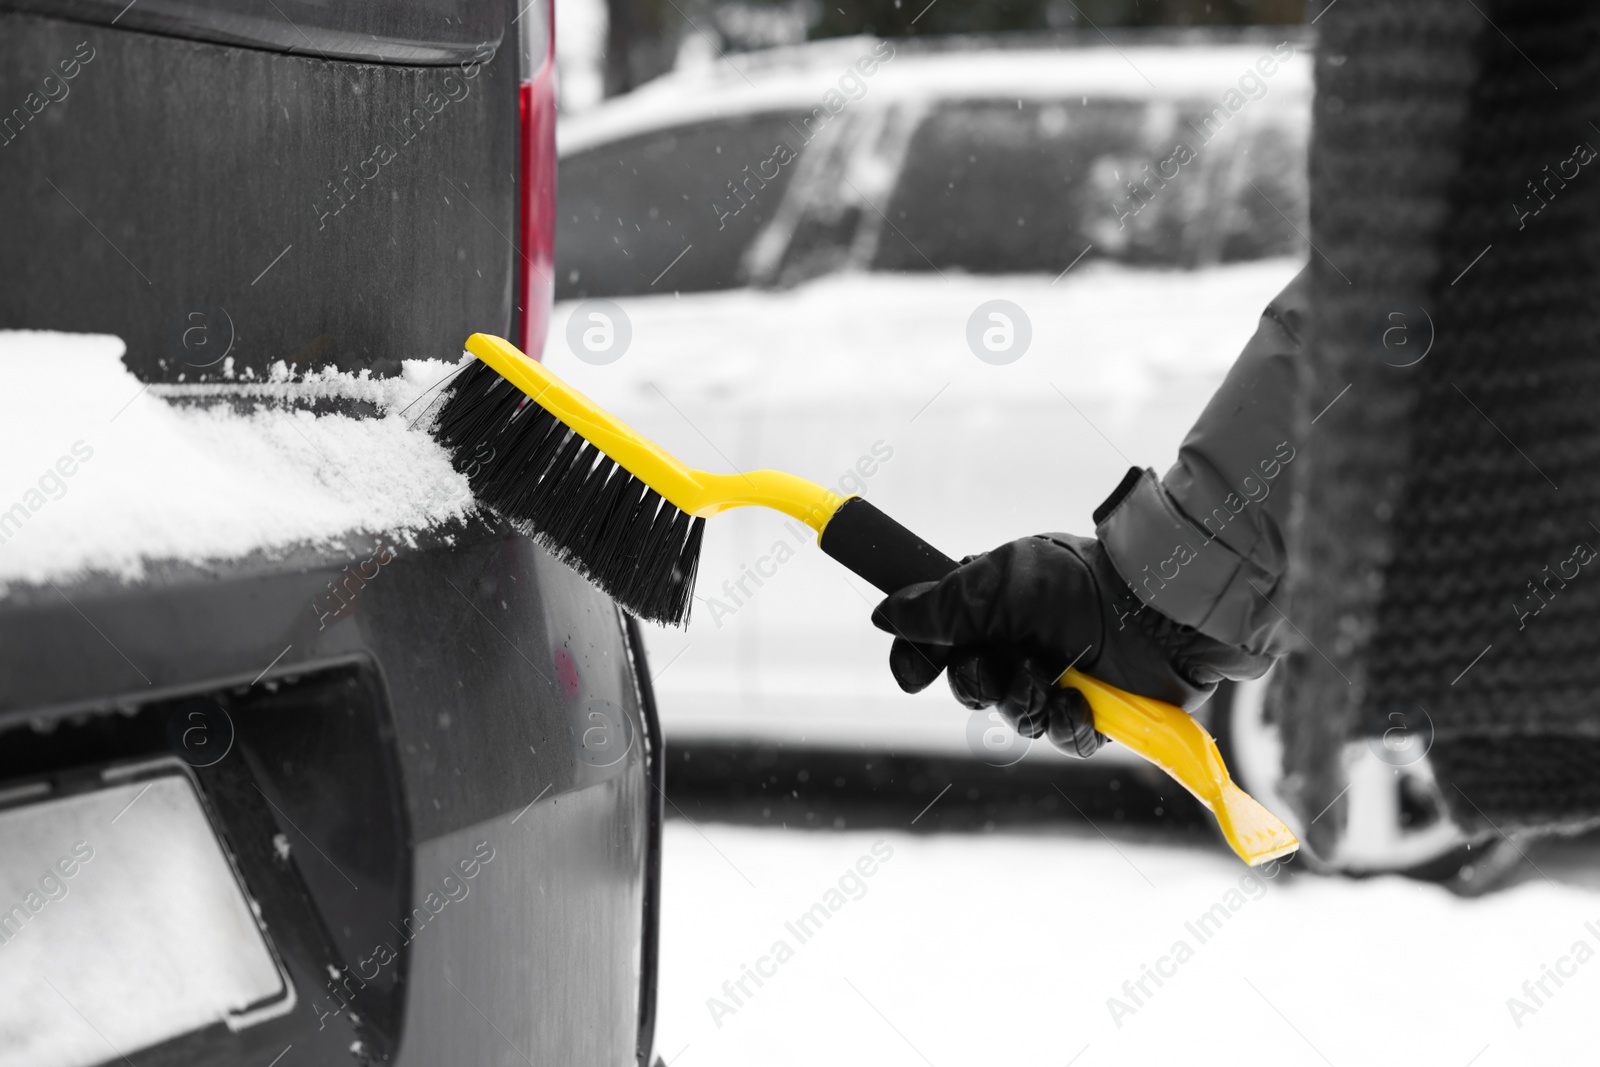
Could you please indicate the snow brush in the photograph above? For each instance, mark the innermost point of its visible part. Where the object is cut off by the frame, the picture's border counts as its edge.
(630, 516)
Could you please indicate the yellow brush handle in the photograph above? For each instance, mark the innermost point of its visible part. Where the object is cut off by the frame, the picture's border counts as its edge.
(695, 492)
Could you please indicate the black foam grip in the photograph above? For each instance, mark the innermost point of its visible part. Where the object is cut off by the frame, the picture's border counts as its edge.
(879, 549)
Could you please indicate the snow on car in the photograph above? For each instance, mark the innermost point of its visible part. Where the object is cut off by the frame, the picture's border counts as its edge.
(107, 478)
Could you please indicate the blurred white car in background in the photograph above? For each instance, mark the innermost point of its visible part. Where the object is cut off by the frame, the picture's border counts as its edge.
(779, 262)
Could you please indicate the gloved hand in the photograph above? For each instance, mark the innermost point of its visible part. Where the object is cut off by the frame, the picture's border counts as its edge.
(1008, 622)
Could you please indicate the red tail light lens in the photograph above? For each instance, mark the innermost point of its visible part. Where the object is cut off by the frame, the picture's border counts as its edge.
(536, 222)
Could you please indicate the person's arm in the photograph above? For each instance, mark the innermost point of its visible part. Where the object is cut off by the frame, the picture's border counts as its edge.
(1168, 601)
(1205, 545)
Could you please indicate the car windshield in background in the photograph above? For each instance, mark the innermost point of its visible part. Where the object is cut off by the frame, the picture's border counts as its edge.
(981, 184)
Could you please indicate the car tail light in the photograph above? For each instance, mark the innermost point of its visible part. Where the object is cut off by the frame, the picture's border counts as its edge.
(536, 222)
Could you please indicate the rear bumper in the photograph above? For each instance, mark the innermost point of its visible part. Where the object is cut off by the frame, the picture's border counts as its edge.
(464, 701)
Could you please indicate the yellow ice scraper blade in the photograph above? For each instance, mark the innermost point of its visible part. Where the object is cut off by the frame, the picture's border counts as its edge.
(1168, 737)
(699, 493)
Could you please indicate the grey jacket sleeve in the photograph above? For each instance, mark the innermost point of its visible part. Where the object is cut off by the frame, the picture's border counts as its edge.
(1205, 545)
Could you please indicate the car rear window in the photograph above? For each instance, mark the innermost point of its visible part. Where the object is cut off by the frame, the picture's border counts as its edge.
(412, 32)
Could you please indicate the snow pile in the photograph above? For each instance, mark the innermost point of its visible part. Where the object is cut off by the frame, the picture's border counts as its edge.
(1022, 949)
(99, 473)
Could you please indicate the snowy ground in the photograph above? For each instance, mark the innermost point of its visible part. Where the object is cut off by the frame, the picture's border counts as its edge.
(1007, 948)
(866, 383)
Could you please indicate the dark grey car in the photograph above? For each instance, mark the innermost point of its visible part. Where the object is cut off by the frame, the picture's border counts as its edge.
(329, 817)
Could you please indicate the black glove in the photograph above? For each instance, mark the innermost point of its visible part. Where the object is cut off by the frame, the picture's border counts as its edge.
(1007, 623)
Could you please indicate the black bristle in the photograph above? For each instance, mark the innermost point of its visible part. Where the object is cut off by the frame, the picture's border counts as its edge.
(560, 490)
(613, 536)
(599, 501)
(658, 551)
